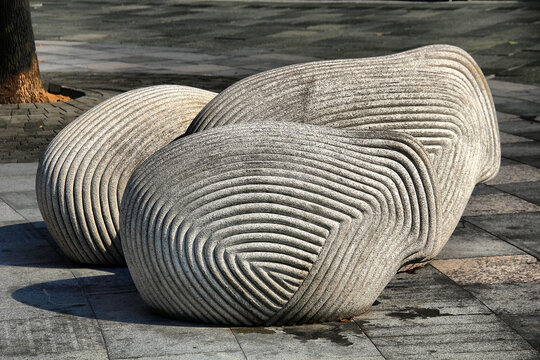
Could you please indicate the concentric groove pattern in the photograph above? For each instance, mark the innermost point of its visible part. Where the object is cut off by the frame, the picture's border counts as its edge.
(272, 223)
(437, 94)
(83, 172)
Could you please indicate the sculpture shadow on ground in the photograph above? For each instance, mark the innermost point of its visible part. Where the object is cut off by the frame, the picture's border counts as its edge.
(30, 245)
(108, 296)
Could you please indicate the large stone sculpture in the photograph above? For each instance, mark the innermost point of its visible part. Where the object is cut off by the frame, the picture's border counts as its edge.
(83, 172)
(269, 223)
(260, 219)
(437, 94)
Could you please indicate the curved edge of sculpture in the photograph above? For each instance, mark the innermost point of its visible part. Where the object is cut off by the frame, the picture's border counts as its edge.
(83, 172)
(267, 223)
(437, 94)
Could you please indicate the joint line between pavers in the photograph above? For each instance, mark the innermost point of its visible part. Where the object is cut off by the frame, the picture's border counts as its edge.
(93, 313)
(239, 345)
(487, 307)
(506, 192)
(502, 238)
(520, 162)
(370, 339)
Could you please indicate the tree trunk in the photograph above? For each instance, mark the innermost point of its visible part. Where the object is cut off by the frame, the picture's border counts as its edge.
(19, 70)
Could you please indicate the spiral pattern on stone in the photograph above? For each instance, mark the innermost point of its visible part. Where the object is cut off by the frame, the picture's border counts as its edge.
(437, 94)
(83, 172)
(267, 223)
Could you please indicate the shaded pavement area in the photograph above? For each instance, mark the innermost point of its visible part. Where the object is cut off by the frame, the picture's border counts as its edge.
(479, 300)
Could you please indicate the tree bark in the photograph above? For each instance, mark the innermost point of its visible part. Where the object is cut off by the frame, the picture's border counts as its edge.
(19, 71)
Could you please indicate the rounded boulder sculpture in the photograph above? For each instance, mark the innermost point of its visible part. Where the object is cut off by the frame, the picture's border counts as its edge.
(82, 174)
(437, 94)
(267, 223)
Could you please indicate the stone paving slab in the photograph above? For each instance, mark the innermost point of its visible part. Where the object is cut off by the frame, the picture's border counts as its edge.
(67, 56)
(520, 230)
(503, 37)
(515, 174)
(77, 338)
(441, 320)
(342, 340)
(498, 204)
(471, 241)
(529, 191)
(524, 152)
(491, 270)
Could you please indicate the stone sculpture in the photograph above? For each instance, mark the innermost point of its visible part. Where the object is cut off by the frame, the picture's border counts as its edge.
(437, 94)
(310, 186)
(268, 223)
(83, 172)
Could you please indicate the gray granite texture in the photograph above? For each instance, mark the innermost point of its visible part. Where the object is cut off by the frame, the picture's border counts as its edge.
(437, 94)
(82, 173)
(268, 223)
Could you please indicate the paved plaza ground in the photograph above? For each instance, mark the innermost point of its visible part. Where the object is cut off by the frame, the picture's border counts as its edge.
(479, 300)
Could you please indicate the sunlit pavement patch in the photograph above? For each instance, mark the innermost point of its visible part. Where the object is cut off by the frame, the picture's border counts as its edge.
(491, 270)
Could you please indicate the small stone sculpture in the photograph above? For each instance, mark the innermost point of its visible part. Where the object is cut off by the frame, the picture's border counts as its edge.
(83, 172)
(437, 94)
(269, 223)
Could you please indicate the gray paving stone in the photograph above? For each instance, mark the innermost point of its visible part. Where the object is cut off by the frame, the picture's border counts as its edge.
(104, 280)
(509, 299)
(515, 173)
(17, 183)
(131, 330)
(471, 241)
(329, 30)
(521, 128)
(123, 81)
(426, 290)
(61, 336)
(524, 152)
(499, 355)
(329, 340)
(221, 355)
(31, 214)
(448, 336)
(529, 191)
(20, 200)
(53, 291)
(79, 355)
(483, 189)
(518, 305)
(18, 169)
(507, 138)
(491, 270)
(497, 204)
(23, 244)
(7, 223)
(528, 326)
(8, 214)
(521, 230)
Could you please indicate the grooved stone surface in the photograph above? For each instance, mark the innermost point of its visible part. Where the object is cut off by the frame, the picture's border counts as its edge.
(437, 94)
(268, 223)
(82, 174)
